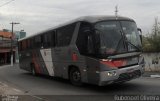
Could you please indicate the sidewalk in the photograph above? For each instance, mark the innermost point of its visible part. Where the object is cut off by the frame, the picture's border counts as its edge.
(151, 74)
(6, 89)
(3, 66)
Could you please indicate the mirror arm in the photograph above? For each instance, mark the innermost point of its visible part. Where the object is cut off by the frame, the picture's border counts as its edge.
(140, 33)
(139, 30)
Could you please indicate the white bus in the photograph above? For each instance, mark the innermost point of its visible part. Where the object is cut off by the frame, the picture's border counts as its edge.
(93, 49)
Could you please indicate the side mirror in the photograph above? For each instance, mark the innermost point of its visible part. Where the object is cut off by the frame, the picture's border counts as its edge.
(140, 33)
(139, 30)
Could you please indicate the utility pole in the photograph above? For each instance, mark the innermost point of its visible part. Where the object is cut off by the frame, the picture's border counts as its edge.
(13, 23)
(116, 11)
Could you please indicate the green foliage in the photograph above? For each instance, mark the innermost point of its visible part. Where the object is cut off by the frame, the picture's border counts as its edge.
(151, 43)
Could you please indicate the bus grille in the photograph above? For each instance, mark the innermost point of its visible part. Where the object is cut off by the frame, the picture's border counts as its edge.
(127, 66)
(128, 76)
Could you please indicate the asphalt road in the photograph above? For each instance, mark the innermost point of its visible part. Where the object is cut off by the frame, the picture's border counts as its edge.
(37, 88)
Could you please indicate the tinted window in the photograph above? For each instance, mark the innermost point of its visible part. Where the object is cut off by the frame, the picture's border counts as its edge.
(82, 39)
(28, 44)
(37, 41)
(31, 43)
(20, 46)
(24, 45)
(48, 39)
(64, 35)
(132, 35)
(110, 37)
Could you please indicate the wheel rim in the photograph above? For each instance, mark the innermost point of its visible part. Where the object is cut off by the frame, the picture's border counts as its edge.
(76, 76)
(33, 71)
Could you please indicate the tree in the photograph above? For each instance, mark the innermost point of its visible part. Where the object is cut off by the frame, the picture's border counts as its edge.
(151, 43)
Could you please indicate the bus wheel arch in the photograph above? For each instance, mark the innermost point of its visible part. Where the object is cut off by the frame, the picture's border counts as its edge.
(74, 75)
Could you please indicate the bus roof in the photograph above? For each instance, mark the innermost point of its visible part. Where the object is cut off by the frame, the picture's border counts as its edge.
(90, 19)
(94, 19)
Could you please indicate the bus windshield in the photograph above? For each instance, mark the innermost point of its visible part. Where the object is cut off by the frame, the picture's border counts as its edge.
(131, 33)
(118, 37)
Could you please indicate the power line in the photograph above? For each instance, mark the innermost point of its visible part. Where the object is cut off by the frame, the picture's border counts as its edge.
(6, 3)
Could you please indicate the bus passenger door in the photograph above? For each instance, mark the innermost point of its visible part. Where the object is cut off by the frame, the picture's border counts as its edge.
(85, 44)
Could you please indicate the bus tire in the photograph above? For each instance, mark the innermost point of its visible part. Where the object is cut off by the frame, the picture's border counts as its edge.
(33, 71)
(75, 76)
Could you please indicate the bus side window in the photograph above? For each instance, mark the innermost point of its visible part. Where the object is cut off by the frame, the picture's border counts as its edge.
(23, 44)
(52, 38)
(31, 43)
(64, 35)
(42, 41)
(44, 36)
(28, 44)
(47, 40)
(84, 39)
(38, 41)
(20, 46)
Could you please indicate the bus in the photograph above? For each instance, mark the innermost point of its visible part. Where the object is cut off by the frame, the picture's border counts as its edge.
(97, 50)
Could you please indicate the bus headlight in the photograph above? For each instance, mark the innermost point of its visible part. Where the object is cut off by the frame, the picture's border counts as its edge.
(113, 73)
(109, 74)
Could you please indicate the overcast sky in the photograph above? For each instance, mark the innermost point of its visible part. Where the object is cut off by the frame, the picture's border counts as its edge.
(38, 15)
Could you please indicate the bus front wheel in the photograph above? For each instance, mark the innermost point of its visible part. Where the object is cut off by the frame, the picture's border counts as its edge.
(75, 76)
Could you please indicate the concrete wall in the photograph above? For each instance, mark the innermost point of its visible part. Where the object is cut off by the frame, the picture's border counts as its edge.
(152, 61)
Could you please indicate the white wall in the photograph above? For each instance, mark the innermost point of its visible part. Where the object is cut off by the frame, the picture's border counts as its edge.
(152, 61)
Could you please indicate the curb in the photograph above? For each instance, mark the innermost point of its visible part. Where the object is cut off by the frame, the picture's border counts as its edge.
(155, 76)
(6, 89)
(4, 66)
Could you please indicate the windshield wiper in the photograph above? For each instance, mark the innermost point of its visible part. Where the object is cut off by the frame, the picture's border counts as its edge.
(123, 34)
(119, 41)
(126, 40)
(133, 45)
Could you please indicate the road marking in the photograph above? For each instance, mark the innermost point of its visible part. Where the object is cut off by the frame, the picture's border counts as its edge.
(3, 84)
(6, 89)
(38, 98)
(17, 90)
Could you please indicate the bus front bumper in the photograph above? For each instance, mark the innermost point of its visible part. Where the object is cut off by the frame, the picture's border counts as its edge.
(120, 75)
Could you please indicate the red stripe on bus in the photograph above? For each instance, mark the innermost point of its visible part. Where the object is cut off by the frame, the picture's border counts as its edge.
(74, 57)
(115, 63)
(36, 65)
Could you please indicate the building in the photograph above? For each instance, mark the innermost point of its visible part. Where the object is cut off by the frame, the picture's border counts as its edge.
(5, 45)
(18, 34)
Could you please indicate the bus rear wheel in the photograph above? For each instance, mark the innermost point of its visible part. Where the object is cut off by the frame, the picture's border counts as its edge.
(75, 76)
(33, 71)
